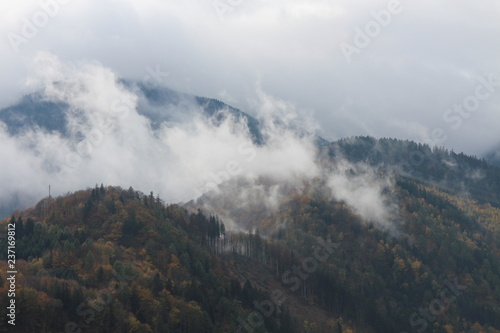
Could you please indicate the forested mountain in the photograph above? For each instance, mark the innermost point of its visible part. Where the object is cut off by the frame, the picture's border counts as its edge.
(113, 260)
(118, 261)
(435, 166)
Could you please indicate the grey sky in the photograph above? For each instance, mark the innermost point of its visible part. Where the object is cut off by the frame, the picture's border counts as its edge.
(423, 59)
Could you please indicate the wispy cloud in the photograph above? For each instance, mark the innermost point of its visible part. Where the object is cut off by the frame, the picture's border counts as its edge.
(110, 141)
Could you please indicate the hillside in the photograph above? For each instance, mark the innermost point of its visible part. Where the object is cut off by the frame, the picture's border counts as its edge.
(113, 260)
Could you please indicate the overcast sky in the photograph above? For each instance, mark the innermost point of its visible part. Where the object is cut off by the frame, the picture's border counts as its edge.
(416, 70)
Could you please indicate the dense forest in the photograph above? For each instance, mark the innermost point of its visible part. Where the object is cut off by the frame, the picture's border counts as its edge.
(113, 260)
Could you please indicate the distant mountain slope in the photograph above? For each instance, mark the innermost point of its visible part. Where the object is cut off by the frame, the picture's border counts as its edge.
(459, 173)
(33, 110)
(158, 104)
(493, 157)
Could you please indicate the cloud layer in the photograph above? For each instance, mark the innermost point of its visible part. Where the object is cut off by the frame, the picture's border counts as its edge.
(429, 57)
(109, 141)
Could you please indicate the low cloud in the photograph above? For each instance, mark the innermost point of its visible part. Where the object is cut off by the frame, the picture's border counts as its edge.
(109, 141)
(367, 193)
(183, 157)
